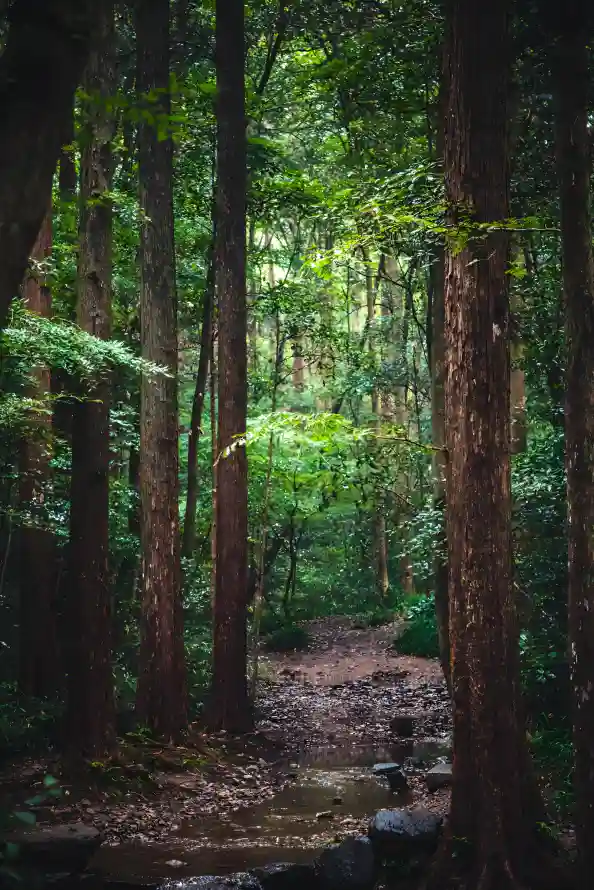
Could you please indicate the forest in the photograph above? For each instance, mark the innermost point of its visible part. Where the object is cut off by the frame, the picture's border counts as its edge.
(296, 445)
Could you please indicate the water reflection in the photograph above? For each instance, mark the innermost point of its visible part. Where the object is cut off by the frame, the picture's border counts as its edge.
(333, 790)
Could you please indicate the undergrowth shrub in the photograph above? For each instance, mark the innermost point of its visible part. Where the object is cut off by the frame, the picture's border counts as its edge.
(419, 636)
(287, 639)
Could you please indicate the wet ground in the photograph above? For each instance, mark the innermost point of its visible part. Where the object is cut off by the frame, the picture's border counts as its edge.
(325, 715)
(332, 793)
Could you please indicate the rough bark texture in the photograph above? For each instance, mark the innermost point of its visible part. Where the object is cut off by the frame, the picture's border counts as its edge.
(189, 533)
(378, 522)
(44, 36)
(230, 707)
(90, 702)
(574, 167)
(38, 664)
(161, 694)
(492, 840)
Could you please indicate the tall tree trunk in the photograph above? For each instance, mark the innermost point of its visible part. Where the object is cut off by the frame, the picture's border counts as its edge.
(40, 68)
(574, 169)
(380, 544)
(90, 702)
(189, 533)
(161, 694)
(38, 664)
(493, 839)
(230, 706)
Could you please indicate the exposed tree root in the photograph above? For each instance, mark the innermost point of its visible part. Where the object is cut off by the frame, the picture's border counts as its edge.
(530, 869)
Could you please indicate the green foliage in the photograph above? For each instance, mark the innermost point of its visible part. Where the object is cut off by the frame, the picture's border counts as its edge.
(287, 639)
(419, 636)
(26, 724)
(553, 757)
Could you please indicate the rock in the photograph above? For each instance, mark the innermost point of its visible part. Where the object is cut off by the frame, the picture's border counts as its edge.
(286, 876)
(175, 863)
(69, 847)
(325, 814)
(337, 800)
(384, 769)
(397, 832)
(397, 782)
(403, 724)
(393, 773)
(349, 865)
(439, 777)
(210, 882)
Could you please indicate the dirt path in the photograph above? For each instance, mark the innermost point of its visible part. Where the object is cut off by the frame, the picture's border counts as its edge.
(342, 692)
(347, 688)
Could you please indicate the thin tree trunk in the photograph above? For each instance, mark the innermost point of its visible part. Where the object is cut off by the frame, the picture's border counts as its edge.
(189, 533)
(213, 453)
(574, 170)
(161, 694)
(40, 68)
(90, 701)
(493, 839)
(380, 545)
(230, 705)
(38, 663)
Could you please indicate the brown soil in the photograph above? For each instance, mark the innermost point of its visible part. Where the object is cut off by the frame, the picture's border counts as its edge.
(343, 691)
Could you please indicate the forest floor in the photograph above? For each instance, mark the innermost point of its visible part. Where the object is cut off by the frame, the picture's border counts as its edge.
(337, 697)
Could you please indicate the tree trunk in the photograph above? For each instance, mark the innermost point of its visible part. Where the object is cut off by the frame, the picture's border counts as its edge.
(493, 839)
(230, 706)
(574, 170)
(38, 666)
(90, 702)
(189, 533)
(40, 68)
(378, 521)
(161, 694)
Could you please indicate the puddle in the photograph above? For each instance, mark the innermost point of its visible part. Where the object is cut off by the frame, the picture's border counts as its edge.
(332, 793)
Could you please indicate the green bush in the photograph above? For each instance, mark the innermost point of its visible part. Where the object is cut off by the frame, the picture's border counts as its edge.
(26, 724)
(287, 639)
(419, 636)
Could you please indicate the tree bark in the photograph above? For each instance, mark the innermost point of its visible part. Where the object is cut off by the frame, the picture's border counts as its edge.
(571, 64)
(161, 694)
(189, 532)
(46, 50)
(90, 698)
(38, 662)
(230, 706)
(493, 840)
(378, 520)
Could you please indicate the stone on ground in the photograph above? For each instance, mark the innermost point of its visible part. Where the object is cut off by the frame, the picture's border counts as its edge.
(210, 882)
(286, 876)
(56, 847)
(439, 777)
(349, 865)
(400, 832)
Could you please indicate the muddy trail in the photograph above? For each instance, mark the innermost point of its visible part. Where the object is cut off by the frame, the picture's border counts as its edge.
(325, 718)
